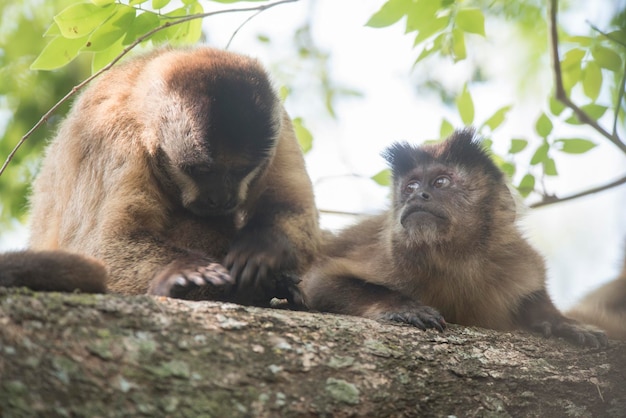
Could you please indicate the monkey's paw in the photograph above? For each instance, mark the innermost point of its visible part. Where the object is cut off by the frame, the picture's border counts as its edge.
(257, 262)
(420, 316)
(199, 281)
(575, 332)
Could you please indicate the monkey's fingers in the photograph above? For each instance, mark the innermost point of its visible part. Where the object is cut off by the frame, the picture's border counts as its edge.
(581, 335)
(179, 282)
(423, 317)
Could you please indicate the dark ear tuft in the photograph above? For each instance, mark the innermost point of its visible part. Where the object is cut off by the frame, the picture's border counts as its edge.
(403, 157)
(465, 149)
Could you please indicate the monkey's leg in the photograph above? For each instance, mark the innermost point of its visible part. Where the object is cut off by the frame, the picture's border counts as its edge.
(538, 313)
(352, 296)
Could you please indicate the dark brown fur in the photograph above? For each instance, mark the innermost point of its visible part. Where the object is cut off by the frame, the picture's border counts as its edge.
(180, 171)
(605, 307)
(447, 248)
(52, 271)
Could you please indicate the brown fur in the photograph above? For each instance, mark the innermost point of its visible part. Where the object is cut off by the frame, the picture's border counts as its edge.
(170, 167)
(605, 307)
(52, 271)
(454, 248)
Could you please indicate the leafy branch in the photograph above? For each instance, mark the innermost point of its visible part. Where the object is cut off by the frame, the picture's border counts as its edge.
(126, 50)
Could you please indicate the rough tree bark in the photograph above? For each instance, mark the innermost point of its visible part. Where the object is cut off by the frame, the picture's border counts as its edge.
(109, 356)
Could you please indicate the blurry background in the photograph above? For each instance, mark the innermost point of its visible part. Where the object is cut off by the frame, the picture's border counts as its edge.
(356, 90)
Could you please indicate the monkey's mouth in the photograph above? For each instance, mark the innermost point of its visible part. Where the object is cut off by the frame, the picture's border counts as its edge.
(419, 214)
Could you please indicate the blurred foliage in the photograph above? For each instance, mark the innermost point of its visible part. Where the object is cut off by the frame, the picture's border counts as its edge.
(83, 36)
(26, 95)
(592, 63)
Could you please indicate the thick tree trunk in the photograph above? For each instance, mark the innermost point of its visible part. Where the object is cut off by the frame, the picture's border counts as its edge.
(110, 356)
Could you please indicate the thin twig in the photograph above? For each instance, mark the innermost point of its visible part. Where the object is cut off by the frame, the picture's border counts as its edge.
(241, 26)
(549, 200)
(560, 93)
(125, 51)
(606, 35)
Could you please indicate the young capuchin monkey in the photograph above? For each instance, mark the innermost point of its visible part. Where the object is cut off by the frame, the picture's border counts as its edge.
(180, 172)
(605, 307)
(447, 248)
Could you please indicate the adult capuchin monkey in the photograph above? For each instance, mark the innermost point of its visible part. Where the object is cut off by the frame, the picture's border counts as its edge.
(447, 248)
(180, 172)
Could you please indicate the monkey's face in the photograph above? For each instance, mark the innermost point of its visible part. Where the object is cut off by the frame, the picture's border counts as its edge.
(217, 126)
(431, 203)
(445, 193)
(219, 187)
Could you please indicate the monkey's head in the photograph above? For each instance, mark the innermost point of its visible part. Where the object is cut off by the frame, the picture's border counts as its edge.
(448, 193)
(217, 125)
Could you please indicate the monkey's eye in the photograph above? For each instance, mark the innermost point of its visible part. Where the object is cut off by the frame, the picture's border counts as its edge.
(411, 186)
(442, 181)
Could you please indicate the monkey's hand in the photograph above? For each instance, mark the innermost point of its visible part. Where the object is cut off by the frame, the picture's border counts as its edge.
(257, 261)
(573, 331)
(417, 315)
(186, 279)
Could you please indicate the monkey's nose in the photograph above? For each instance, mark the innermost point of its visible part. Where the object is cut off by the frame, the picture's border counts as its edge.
(424, 195)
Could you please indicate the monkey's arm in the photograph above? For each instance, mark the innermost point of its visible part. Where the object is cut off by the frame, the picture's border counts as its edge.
(281, 234)
(537, 312)
(334, 287)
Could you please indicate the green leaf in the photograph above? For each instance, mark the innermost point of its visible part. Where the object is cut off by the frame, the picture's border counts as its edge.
(136, 2)
(433, 26)
(541, 154)
(59, 52)
(575, 145)
(421, 14)
(607, 58)
(432, 48)
(383, 177)
(458, 45)
(283, 93)
(543, 127)
(517, 145)
(556, 106)
(113, 29)
(305, 138)
(571, 77)
(471, 21)
(526, 185)
(100, 3)
(549, 167)
(508, 169)
(592, 80)
(183, 33)
(446, 129)
(159, 4)
(79, 20)
(143, 23)
(595, 111)
(389, 13)
(572, 58)
(581, 40)
(497, 118)
(465, 105)
(104, 57)
(53, 30)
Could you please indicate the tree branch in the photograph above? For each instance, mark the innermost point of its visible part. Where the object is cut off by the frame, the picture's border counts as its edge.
(549, 200)
(560, 93)
(125, 51)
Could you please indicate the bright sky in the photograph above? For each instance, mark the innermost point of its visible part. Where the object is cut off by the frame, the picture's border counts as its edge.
(582, 240)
